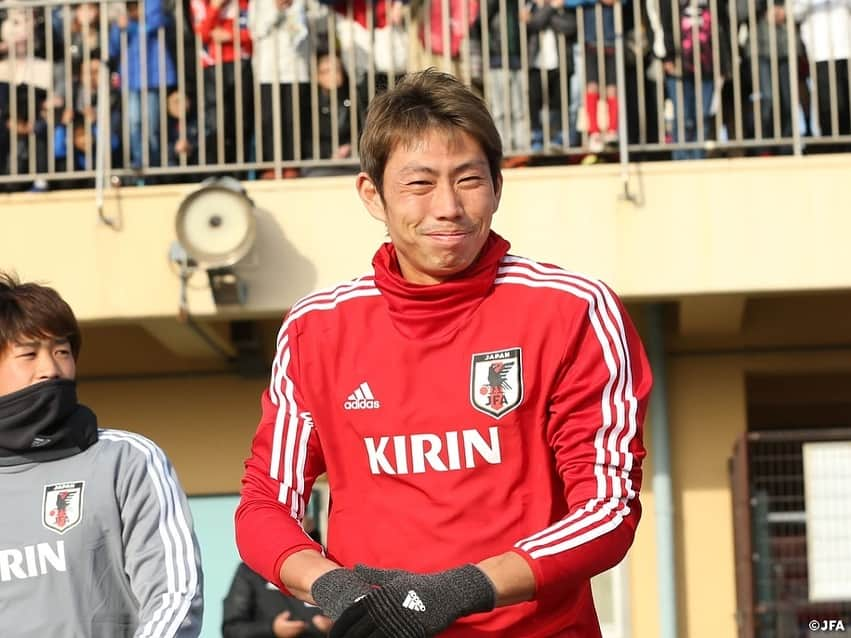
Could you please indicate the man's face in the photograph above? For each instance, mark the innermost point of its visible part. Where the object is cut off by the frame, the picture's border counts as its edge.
(176, 104)
(439, 199)
(89, 74)
(29, 361)
(329, 72)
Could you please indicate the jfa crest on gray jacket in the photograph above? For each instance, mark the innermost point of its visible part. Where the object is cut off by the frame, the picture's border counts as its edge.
(98, 545)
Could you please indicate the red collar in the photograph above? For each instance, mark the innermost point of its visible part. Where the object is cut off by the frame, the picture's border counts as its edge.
(437, 311)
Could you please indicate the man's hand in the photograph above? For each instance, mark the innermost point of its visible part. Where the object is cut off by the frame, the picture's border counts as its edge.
(322, 623)
(336, 590)
(407, 605)
(343, 151)
(283, 627)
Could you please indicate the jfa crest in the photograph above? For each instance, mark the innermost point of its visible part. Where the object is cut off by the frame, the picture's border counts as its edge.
(496, 381)
(62, 507)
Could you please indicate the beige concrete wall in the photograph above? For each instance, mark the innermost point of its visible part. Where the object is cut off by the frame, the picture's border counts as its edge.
(710, 226)
(204, 423)
(707, 413)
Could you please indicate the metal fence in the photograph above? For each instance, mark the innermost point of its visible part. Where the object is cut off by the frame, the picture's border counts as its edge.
(776, 547)
(176, 89)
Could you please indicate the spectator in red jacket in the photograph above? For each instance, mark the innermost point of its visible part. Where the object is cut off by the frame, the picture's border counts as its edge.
(222, 26)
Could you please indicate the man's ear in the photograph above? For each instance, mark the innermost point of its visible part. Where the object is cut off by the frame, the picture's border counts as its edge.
(497, 190)
(371, 198)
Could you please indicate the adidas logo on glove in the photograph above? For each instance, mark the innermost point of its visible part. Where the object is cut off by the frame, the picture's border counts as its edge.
(413, 602)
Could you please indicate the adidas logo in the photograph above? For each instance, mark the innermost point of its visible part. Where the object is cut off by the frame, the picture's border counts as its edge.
(362, 399)
(413, 602)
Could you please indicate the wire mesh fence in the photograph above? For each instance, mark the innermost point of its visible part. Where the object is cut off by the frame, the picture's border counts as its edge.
(792, 514)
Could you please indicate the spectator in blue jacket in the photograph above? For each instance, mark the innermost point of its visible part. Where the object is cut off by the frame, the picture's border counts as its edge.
(145, 86)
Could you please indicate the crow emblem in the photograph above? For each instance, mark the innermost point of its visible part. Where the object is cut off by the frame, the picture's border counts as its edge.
(496, 381)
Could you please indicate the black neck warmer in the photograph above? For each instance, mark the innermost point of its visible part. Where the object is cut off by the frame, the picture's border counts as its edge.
(44, 421)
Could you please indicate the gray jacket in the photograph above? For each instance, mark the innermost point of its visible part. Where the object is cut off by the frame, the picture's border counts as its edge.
(763, 28)
(99, 544)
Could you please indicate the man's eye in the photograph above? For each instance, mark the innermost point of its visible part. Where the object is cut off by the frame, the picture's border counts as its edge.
(419, 182)
(26, 355)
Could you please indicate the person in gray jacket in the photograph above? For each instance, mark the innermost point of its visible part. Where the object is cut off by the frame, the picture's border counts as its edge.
(767, 38)
(96, 538)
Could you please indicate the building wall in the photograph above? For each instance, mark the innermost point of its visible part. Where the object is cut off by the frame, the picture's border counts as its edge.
(204, 423)
(707, 413)
(710, 226)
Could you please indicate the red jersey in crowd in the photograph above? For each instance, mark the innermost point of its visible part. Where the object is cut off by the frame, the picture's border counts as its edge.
(498, 411)
(380, 9)
(206, 18)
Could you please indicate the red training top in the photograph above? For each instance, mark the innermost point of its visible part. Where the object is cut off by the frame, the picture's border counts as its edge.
(498, 411)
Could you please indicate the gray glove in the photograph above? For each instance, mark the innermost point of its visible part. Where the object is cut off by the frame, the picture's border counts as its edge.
(336, 590)
(408, 605)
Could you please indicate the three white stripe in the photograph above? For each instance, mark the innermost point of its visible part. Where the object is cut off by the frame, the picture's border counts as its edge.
(175, 534)
(292, 425)
(610, 440)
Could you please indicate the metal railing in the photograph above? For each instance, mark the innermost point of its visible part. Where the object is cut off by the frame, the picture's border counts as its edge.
(177, 89)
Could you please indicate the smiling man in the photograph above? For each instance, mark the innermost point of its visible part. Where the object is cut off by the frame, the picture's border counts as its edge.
(478, 414)
(96, 538)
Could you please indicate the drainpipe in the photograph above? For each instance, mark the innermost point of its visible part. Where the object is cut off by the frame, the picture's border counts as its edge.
(662, 492)
(620, 73)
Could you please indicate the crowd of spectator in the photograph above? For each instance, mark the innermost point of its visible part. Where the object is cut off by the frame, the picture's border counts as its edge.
(269, 88)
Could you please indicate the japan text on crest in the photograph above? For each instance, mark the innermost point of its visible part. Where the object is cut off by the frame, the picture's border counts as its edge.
(62, 507)
(496, 381)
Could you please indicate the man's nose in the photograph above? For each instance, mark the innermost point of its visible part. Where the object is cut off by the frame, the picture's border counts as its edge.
(48, 367)
(447, 201)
